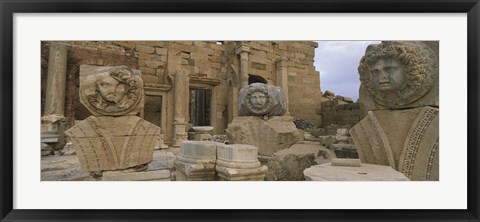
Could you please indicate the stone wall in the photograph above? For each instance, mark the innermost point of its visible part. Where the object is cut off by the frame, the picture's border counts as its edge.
(337, 113)
(340, 110)
(211, 65)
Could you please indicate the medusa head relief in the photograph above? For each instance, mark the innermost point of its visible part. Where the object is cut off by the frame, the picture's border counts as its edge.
(258, 99)
(111, 91)
(396, 74)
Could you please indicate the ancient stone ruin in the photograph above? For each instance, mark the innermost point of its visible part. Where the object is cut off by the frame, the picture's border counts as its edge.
(235, 111)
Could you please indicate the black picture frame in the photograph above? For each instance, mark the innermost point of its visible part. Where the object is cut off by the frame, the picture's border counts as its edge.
(9, 7)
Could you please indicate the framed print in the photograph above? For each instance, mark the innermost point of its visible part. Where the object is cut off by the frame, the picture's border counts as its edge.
(142, 111)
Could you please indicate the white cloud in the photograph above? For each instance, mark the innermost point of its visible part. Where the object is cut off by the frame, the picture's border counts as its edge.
(337, 62)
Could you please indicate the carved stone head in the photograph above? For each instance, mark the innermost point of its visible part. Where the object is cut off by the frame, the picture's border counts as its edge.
(396, 74)
(110, 91)
(259, 99)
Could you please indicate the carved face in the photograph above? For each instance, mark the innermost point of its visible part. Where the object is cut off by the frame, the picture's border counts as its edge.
(111, 89)
(258, 99)
(388, 75)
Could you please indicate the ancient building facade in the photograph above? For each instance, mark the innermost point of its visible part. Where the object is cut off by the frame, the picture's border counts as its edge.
(194, 83)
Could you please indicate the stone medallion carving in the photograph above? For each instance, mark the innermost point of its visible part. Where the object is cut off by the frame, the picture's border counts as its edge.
(396, 74)
(110, 91)
(259, 99)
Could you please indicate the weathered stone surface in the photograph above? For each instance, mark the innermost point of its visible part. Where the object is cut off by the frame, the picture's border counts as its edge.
(269, 136)
(399, 75)
(366, 172)
(111, 91)
(56, 80)
(46, 149)
(67, 167)
(156, 175)
(113, 143)
(220, 139)
(196, 160)
(344, 150)
(239, 162)
(52, 130)
(406, 140)
(258, 99)
(203, 129)
(346, 162)
(200, 133)
(289, 164)
(309, 127)
(68, 149)
(202, 137)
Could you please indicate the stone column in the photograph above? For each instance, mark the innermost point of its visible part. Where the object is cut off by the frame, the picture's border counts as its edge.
(56, 80)
(181, 87)
(243, 50)
(53, 121)
(282, 80)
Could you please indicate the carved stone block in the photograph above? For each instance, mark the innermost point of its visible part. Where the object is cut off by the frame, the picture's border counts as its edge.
(113, 143)
(111, 91)
(239, 162)
(270, 136)
(196, 160)
(406, 140)
(399, 75)
(259, 99)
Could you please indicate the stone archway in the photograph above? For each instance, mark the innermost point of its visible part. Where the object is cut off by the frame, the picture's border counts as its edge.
(256, 79)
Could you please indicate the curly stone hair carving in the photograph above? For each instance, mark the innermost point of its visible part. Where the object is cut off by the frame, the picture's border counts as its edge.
(418, 61)
(268, 96)
(124, 75)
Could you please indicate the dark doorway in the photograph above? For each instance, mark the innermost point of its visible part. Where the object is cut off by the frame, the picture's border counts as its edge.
(153, 110)
(255, 79)
(200, 110)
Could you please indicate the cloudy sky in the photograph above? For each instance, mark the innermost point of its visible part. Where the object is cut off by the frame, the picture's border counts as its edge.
(337, 62)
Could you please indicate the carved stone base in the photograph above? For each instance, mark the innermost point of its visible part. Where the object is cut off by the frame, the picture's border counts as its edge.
(406, 140)
(113, 143)
(196, 161)
(180, 133)
(239, 162)
(270, 136)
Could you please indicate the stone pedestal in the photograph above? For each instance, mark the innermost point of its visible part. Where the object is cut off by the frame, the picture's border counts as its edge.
(201, 133)
(344, 150)
(366, 172)
(52, 130)
(180, 130)
(406, 140)
(239, 162)
(113, 143)
(270, 136)
(161, 142)
(196, 161)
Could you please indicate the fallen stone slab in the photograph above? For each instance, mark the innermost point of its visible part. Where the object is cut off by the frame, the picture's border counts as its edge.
(366, 172)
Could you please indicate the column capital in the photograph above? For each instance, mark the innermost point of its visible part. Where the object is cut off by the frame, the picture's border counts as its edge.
(242, 48)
